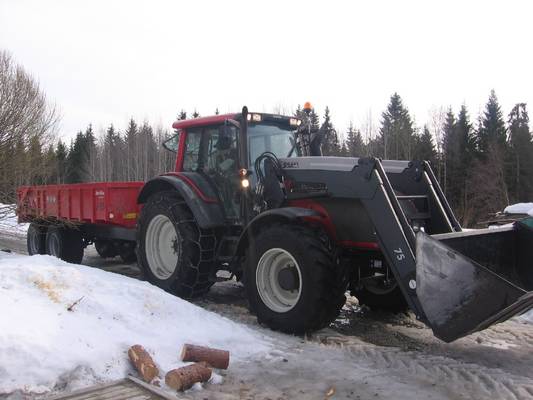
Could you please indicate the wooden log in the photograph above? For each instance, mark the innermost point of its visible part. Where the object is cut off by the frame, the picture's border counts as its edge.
(215, 358)
(183, 378)
(143, 362)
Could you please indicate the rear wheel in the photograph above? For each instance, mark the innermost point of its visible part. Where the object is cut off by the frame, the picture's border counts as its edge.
(292, 281)
(64, 243)
(174, 252)
(36, 239)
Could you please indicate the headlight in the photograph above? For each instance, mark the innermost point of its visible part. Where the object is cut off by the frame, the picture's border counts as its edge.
(295, 122)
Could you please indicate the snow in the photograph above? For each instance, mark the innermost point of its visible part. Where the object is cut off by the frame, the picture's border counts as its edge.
(8, 222)
(43, 345)
(519, 208)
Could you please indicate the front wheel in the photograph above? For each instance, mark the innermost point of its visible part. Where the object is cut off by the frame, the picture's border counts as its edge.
(292, 281)
(173, 251)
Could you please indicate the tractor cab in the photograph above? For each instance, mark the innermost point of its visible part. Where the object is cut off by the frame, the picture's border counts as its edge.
(223, 150)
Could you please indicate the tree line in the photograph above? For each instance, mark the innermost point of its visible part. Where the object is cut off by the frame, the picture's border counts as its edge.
(482, 165)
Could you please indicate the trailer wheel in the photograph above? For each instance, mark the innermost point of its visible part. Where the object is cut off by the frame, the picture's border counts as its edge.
(105, 248)
(173, 251)
(376, 296)
(64, 243)
(292, 281)
(36, 239)
(127, 252)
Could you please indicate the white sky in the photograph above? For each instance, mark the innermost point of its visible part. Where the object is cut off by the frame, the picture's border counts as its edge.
(104, 61)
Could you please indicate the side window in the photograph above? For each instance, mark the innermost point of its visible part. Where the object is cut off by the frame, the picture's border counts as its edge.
(221, 150)
(192, 150)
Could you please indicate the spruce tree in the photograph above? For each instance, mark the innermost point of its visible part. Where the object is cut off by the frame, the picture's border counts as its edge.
(182, 115)
(77, 170)
(492, 131)
(449, 143)
(131, 147)
(425, 148)
(61, 162)
(396, 133)
(355, 146)
(330, 142)
(521, 155)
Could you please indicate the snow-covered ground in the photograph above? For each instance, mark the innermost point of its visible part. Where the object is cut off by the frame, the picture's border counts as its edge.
(43, 345)
(44, 348)
(8, 222)
(519, 208)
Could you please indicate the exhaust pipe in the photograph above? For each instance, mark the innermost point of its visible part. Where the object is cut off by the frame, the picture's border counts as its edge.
(468, 281)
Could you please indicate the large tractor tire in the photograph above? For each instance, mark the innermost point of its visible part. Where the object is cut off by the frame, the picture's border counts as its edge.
(292, 280)
(378, 296)
(173, 251)
(64, 243)
(36, 239)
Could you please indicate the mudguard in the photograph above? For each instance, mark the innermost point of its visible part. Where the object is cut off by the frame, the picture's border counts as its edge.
(284, 214)
(196, 192)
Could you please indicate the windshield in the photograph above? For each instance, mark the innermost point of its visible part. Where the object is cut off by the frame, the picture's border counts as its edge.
(271, 138)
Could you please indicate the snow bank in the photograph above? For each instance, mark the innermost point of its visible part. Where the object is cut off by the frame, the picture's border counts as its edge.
(8, 222)
(43, 345)
(526, 317)
(520, 208)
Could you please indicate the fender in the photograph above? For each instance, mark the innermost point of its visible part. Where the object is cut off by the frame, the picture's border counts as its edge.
(196, 192)
(284, 214)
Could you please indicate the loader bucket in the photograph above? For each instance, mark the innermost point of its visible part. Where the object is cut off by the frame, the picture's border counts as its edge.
(468, 281)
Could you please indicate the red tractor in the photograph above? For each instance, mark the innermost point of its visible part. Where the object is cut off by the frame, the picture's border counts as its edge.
(252, 194)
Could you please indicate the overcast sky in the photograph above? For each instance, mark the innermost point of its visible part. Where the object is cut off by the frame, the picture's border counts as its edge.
(105, 61)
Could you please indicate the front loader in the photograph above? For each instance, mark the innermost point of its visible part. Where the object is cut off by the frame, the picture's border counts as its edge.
(252, 194)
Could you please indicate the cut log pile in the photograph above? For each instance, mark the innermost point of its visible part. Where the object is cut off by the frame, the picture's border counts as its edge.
(183, 378)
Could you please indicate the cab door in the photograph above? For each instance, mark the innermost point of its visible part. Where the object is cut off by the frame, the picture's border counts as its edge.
(212, 152)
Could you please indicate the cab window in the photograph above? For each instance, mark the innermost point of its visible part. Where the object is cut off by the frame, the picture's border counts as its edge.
(192, 150)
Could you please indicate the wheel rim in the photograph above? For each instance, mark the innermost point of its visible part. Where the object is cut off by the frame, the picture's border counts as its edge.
(274, 296)
(53, 245)
(163, 247)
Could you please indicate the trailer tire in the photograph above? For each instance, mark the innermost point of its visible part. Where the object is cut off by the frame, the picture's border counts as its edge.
(105, 248)
(127, 252)
(65, 243)
(393, 301)
(186, 266)
(36, 239)
(297, 251)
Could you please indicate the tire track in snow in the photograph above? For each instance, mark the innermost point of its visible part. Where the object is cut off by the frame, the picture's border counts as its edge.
(462, 378)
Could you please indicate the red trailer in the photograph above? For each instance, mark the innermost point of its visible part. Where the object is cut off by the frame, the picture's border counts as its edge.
(104, 213)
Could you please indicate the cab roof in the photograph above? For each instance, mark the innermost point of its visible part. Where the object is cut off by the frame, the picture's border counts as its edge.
(218, 119)
(202, 121)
